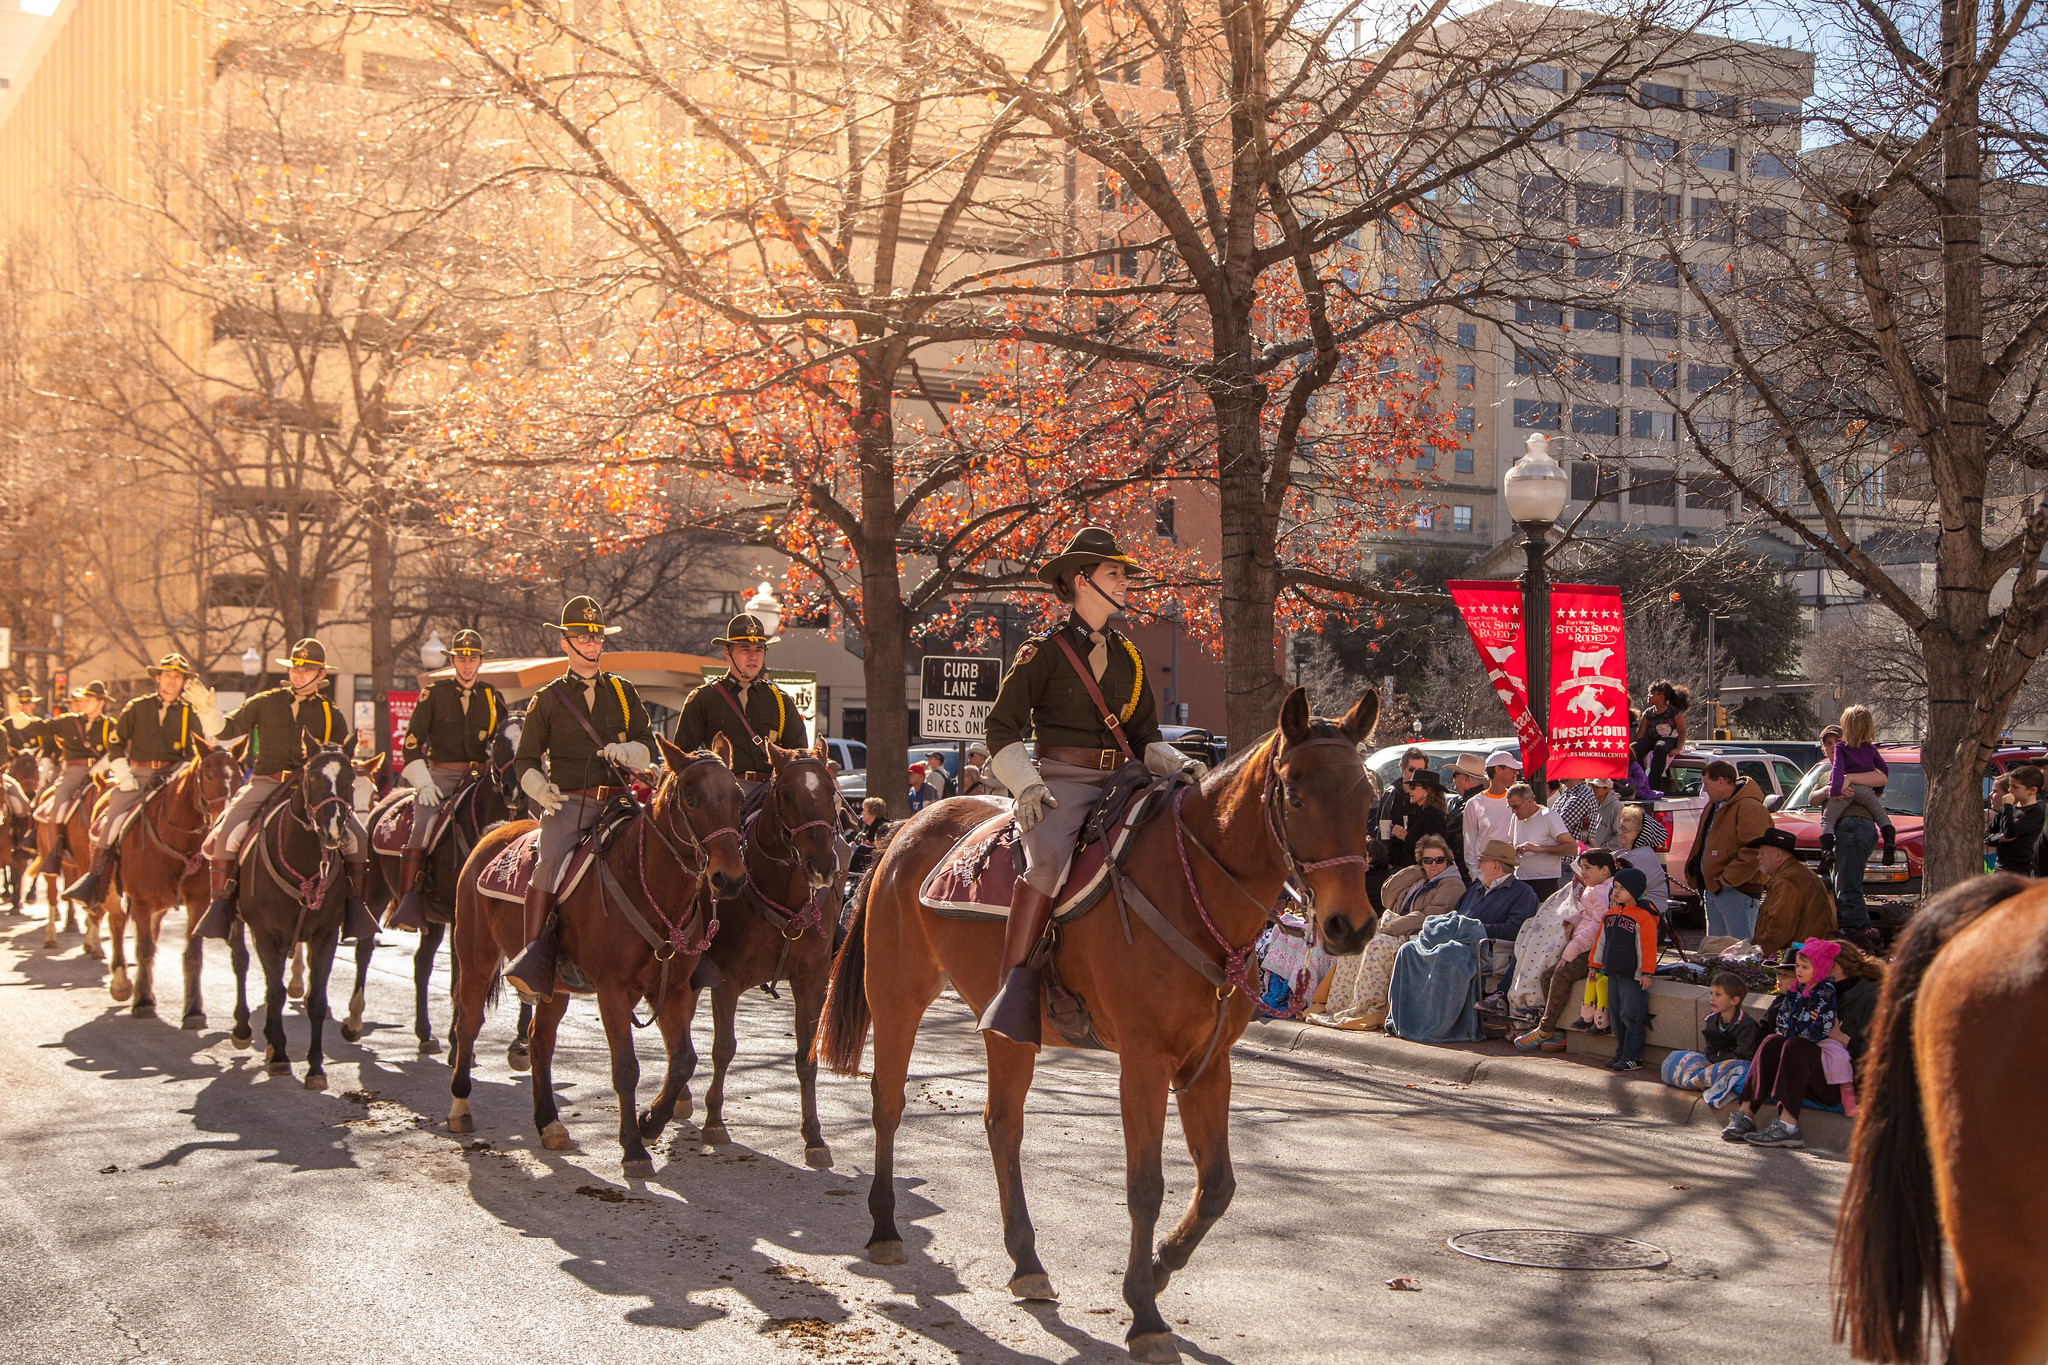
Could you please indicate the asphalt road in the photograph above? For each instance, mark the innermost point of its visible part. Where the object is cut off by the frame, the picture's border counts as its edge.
(252, 1220)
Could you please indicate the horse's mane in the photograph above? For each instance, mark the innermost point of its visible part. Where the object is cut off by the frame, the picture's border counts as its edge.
(1231, 768)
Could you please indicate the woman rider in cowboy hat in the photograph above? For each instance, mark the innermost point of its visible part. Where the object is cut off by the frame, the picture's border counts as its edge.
(569, 774)
(447, 741)
(1079, 749)
(82, 737)
(154, 734)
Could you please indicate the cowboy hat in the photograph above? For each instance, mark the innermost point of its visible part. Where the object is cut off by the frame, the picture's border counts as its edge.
(468, 642)
(581, 615)
(1500, 851)
(1775, 838)
(175, 662)
(1471, 765)
(307, 653)
(1090, 545)
(26, 693)
(94, 688)
(746, 629)
(1427, 777)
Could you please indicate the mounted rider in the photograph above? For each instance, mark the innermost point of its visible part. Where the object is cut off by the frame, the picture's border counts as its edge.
(285, 722)
(447, 742)
(590, 729)
(16, 731)
(153, 736)
(1086, 725)
(81, 738)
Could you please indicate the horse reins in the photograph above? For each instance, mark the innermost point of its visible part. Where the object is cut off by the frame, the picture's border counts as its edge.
(811, 914)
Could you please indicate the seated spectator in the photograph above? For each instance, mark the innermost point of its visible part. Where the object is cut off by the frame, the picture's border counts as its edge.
(1794, 1066)
(1859, 980)
(1626, 951)
(1797, 904)
(1499, 901)
(1433, 996)
(2015, 835)
(1596, 870)
(1432, 886)
(1641, 839)
(1728, 1039)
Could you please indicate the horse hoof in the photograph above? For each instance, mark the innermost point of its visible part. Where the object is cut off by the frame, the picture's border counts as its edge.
(517, 1058)
(1036, 1289)
(429, 1046)
(296, 991)
(714, 1134)
(242, 1041)
(316, 1081)
(461, 1123)
(49, 938)
(94, 951)
(350, 1035)
(555, 1137)
(639, 1167)
(143, 1009)
(193, 1022)
(278, 1068)
(887, 1253)
(119, 986)
(1154, 1348)
(818, 1158)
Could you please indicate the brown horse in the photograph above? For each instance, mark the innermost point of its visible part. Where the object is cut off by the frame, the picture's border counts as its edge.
(17, 826)
(1201, 882)
(159, 866)
(627, 927)
(780, 926)
(62, 856)
(1954, 1097)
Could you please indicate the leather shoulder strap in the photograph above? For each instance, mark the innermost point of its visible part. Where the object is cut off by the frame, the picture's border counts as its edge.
(573, 704)
(725, 694)
(1109, 716)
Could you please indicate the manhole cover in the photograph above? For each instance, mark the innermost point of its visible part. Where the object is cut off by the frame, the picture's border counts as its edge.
(1559, 1250)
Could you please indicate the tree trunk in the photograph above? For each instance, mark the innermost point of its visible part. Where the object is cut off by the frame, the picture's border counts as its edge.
(1250, 572)
(885, 624)
(1952, 758)
(378, 547)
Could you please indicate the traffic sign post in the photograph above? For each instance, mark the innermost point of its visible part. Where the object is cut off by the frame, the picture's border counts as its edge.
(955, 695)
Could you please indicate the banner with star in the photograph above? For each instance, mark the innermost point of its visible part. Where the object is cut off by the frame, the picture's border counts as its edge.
(1492, 609)
(1588, 683)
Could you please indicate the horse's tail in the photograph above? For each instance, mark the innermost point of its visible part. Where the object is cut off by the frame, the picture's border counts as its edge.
(843, 1032)
(1889, 1285)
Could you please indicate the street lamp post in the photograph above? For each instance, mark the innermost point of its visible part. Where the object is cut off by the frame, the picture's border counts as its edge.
(765, 605)
(433, 653)
(252, 665)
(1536, 488)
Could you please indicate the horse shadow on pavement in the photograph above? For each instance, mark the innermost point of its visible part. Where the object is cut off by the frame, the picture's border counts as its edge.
(65, 967)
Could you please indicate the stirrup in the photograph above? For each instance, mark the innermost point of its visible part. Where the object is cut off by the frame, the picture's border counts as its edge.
(532, 973)
(406, 914)
(1016, 1012)
(220, 915)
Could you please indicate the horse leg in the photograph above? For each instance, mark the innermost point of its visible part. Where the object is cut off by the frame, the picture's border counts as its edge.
(1142, 1094)
(1002, 1118)
(1205, 1120)
(674, 1021)
(195, 960)
(318, 969)
(422, 973)
(469, 991)
(808, 986)
(148, 925)
(297, 989)
(547, 1017)
(519, 1056)
(725, 1041)
(238, 954)
(352, 1026)
(113, 911)
(615, 1007)
(273, 957)
(49, 922)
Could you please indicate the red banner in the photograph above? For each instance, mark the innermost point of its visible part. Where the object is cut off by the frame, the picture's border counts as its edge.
(1493, 613)
(1588, 683)
(401, 705)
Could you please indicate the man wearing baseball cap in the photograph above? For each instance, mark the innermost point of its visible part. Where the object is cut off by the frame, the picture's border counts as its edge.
(1487, 815)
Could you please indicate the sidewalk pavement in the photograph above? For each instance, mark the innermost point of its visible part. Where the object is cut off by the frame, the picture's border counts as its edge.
(1573, 1078)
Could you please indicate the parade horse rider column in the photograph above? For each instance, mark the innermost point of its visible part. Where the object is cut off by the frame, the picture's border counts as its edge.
(152, 737)
(1082, 690)
(18, 731)
(591, 730)
(447, 741)
(285, 723)
(82, 739)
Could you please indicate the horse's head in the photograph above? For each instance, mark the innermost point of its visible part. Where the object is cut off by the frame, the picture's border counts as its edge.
(701, 787)
(216, 776)
(327, 786)
(504, 747)
(806, 802)
(1321, 806)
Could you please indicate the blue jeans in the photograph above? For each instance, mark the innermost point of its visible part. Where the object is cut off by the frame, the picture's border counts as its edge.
(1855, 840)
(1628, 1010)
(1730, 912)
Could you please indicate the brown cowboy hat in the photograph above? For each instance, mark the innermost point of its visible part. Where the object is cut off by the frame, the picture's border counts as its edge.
(307, 653)
(1502, 852)
(468, 642)
(582, 616)
(94, 688)
(175, 663)
(746, 629)
(1090, 545)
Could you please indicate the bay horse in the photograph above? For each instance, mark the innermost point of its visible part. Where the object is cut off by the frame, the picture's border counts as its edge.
(1293, 809)
(491, 798)
(628, 927)
(779, 926)
(1954, 1097)
(294, 889)
(158, 866)
(17, 826)
(62, 856)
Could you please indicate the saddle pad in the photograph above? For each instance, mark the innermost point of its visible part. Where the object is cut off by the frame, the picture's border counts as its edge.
(391, 827)
(976, 876)
(507, 876)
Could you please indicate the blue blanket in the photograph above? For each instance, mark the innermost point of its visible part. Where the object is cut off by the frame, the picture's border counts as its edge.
(1433, 996)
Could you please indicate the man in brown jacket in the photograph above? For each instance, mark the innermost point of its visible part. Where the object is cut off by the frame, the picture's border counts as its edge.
(1731, 881)
(1796, 904)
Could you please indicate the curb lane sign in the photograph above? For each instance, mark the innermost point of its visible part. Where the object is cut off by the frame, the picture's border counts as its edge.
(956, 693)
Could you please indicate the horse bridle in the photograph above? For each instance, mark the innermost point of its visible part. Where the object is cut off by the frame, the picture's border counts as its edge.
(809, 915)
(694, 841)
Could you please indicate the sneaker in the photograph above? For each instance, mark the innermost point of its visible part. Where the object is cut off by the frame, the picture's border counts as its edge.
(1536, 1038)
(1554, 1043)
(1620, 1065)
(1739, 1128)
(1777, 1135)
(1600, 1031)
(1495, 1003)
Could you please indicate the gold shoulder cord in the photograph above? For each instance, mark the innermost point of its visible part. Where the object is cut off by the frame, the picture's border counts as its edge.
(625, 712)
(1137, 685)
(781, 711)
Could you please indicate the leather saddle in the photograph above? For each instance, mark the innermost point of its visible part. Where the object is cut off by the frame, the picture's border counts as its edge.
(507, 876)
(392, 822)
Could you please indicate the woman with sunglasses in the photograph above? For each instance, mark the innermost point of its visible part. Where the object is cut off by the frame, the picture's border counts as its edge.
(1429, 886)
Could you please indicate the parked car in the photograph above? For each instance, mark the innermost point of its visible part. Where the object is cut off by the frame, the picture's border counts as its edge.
(1193, 741)
(852, 757)
(1803, 752)
(1385, 764)
(1685, 798)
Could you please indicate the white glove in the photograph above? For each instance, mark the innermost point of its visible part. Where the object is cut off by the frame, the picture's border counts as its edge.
(422, 778)
(197, 695)
(1162, 758)
(1031, 804)
(545, 794)
(124, 776)
(1015, 770)
(631, 755)
(99, 768)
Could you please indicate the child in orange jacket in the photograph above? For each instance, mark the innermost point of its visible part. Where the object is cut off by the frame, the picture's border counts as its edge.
(1627, 952)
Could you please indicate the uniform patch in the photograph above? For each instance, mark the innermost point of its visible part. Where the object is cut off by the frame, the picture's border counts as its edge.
(1026, 655)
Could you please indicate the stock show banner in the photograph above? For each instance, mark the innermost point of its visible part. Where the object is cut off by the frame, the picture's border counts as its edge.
(1492, 609)
(1588, 683)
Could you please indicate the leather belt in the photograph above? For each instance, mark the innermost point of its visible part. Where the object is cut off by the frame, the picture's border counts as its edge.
(592, 793)
(465, 767)
(78, 763)
(151, 763)
(754, 777)
(1102, 760)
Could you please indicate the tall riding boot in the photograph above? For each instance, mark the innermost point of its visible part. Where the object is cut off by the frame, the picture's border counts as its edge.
(220, 913)
(88, 889)
(406, 914)
(1015, 1011)
(533, 971)
(357, 922)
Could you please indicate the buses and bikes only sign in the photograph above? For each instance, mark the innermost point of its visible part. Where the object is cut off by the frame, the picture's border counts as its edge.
(956, 694)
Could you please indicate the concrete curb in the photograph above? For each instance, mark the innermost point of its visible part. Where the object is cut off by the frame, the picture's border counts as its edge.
(1639, 1095)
